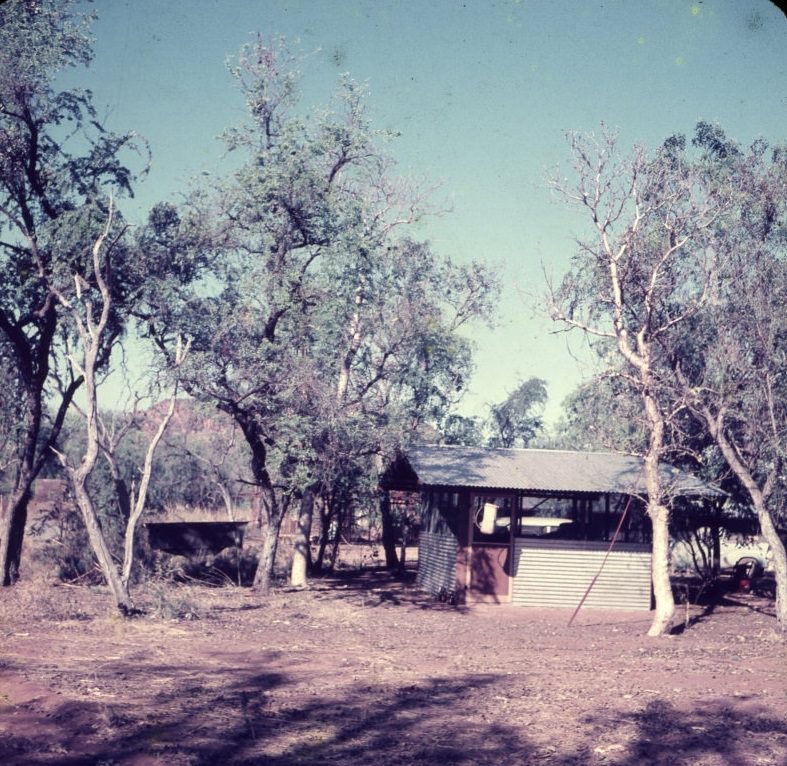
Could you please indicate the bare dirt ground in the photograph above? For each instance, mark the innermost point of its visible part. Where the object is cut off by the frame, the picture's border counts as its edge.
(364, 669)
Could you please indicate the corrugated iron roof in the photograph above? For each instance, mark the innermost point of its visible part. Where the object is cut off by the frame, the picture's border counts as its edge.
(539, 470)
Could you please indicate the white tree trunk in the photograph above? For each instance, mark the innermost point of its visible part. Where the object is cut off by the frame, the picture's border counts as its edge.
(99, 545)
(659, 513)
(770, 534)
(662, 586)
(226, 497)
(147, 470)
(301, 550)
(651, 221)
(90, 334)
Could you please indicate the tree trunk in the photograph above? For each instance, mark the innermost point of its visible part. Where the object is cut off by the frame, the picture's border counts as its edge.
(716, 550)
(263, 577)
(319, 560)
(13, 530)
(326, 514)
(100, 549)
(758, 500)
(662, 586)
(338, 530)
(91, 332)
(301, 556)
(269, 506)
(659, 513)
(266, 567)
(770, 534)
(389, 532)
(129, 540)
(147, 471)
(226, 497)
(12, 533)
(33, 455)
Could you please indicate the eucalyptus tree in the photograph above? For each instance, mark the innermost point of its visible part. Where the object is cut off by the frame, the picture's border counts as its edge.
(57, 168)
(270, 226)
(643, 271)
(317, 327)
(402, 363)
(729, 365)
(90, 311)
(602, 413)
(517, 420)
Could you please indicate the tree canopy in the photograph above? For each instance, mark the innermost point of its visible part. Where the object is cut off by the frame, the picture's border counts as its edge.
(684, 279)
(517, 420)
(326, 335)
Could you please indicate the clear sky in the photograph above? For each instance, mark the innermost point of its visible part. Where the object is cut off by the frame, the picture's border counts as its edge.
(481, 91)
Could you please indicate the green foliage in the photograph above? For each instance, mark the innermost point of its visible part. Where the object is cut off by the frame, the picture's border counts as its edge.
(58, 169)
(51, 39)
(685, 276)
(731, 361)
(327, 338)
(516, 421)
(462, 431)
(602, 414)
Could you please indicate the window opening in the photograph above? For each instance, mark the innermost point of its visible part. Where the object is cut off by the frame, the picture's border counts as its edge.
(545, 517)
(492, 519)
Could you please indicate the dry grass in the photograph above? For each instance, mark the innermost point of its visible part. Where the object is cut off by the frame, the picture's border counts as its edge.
(180, 512)
(41, 600)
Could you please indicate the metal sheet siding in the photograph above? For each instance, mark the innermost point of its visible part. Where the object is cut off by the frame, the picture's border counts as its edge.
(550, 573)
(436, 562)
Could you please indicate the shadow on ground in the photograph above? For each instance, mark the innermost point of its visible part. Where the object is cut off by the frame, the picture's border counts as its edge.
(225, 716)
(226, 719)
(714, 733)
(721, 593)
(375, 587)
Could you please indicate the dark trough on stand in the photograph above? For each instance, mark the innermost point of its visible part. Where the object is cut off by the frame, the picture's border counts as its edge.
(189, 538)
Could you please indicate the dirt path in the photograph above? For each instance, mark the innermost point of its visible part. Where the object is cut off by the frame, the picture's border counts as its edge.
(368, 671)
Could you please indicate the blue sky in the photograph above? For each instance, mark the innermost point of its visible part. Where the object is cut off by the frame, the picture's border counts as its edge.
(481, 91)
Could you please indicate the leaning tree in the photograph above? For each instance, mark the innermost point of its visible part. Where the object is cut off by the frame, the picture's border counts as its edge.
(729, 365)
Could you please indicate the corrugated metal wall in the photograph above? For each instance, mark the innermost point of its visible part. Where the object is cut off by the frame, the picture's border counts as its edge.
(557, 573)
(436, 562)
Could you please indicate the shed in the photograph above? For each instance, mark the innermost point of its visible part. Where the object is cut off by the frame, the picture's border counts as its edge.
(532, 527)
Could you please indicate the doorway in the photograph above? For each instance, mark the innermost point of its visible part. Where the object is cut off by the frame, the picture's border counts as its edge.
(490, 549)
